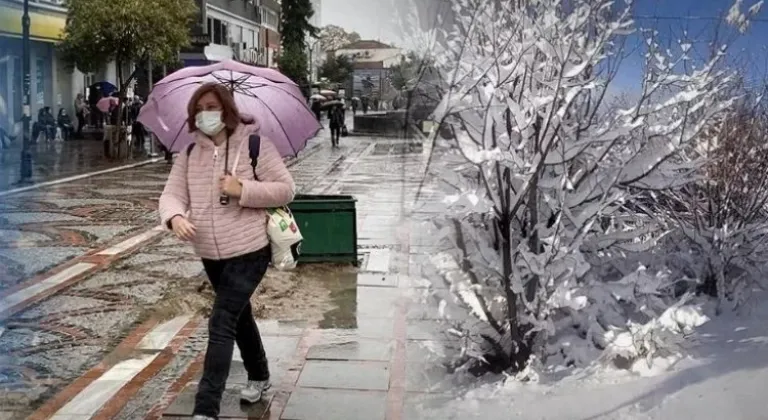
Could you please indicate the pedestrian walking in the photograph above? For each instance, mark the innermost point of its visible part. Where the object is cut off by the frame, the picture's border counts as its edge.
(335, 122)
(228, 230)
(317, 109)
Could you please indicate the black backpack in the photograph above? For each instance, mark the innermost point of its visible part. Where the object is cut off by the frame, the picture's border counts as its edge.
(254, 148)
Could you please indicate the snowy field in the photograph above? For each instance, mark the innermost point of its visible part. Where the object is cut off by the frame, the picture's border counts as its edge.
(724, 376)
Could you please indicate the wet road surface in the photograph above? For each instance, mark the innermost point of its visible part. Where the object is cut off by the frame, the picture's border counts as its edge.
(369, 353)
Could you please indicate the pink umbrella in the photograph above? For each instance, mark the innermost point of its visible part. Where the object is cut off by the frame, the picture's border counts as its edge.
(268, 95)
(107, 104)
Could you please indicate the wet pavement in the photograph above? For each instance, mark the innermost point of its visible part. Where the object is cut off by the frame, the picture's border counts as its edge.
(55, 160)
(372, 352)
(43, 228)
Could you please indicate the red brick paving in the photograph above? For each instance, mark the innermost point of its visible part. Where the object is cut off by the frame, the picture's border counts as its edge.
(62, 398)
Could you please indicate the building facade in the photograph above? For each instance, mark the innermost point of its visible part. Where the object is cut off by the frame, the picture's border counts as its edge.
(225, 30)
(270, 32)
(50, 81)
(372, 61)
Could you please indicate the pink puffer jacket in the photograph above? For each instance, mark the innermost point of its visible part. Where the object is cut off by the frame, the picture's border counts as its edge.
(226, 231)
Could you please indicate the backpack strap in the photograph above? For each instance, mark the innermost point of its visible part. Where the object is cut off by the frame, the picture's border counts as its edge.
(254, 149)
(190, 147)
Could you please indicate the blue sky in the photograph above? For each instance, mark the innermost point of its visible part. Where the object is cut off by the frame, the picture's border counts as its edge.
(373, 19)
(749, 49)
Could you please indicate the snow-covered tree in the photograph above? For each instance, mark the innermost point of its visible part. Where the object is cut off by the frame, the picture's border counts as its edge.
(545, 181)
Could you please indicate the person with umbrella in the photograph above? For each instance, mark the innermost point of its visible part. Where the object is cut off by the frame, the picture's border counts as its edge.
(224, 218)
(317, 108)
(335, 120)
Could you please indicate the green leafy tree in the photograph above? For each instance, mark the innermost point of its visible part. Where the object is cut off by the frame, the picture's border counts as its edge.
(337, 70)
(125, 31)
(334, 37)
(293, 63)
(294, 29)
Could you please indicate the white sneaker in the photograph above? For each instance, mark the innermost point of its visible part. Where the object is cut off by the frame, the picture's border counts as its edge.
(253, 392)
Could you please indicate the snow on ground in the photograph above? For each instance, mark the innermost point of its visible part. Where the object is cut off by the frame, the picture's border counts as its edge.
(724, 376)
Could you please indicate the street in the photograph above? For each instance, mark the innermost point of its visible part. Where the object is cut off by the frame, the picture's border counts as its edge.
(102, 319)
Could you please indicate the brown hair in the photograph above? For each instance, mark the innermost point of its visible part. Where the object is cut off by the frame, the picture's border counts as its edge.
(229, 115)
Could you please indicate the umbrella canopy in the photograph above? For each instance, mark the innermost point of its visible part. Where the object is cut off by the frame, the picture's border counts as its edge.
(326, 92)
(106, 104)
(269, 96)
(104, 87)
(331, 104)
(318, 97)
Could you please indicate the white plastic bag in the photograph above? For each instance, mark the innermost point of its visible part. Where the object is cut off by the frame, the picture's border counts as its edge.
(282, 230)
(284, 238)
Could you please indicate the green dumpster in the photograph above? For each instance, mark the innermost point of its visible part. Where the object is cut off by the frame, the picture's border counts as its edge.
(328, 224)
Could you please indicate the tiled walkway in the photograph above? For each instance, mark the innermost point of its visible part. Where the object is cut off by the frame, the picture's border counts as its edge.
(373, 357)
(379, 360)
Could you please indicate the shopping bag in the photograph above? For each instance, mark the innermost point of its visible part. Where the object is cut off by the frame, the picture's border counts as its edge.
(284, 238)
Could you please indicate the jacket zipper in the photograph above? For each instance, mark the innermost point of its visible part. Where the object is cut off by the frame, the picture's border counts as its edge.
(215, 199)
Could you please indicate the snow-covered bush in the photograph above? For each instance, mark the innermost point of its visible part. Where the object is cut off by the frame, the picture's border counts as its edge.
(721, 220)
(542, 190)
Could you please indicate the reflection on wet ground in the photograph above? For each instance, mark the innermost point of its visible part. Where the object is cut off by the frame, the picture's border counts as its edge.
(343, 297)
(55, 160)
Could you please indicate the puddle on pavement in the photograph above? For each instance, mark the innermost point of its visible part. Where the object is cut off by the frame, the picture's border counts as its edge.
(320, 294)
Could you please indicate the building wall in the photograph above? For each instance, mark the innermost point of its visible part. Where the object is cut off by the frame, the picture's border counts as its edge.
(387, 56)
(270, 40)
(53, 83)
(45, 24)
(225, 29)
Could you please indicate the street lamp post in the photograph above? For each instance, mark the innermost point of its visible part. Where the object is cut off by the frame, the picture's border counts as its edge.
(26, 156)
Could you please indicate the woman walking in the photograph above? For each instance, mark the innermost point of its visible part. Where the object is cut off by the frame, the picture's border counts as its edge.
(224, 217)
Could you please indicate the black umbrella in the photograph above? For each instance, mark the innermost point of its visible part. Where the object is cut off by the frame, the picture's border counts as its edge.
(332, 104)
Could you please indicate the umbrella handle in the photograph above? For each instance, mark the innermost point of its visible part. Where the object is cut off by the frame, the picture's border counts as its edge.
(223, 198)
(226, 157)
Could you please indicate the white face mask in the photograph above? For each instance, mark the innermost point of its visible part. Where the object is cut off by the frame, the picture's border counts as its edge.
(209, 122)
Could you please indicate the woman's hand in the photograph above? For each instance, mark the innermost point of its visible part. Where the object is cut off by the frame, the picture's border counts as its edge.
(231, 186)
(183, 229)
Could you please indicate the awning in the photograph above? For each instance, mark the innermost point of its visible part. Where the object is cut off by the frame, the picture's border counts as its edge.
(42, 27)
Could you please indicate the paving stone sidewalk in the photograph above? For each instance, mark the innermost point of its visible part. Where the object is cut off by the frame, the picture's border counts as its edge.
(377, 357)
(47, 345)
(42, 228)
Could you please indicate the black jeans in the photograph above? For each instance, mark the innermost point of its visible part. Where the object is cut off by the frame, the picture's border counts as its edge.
(234, 280)
(80, 124)
(335, 134)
